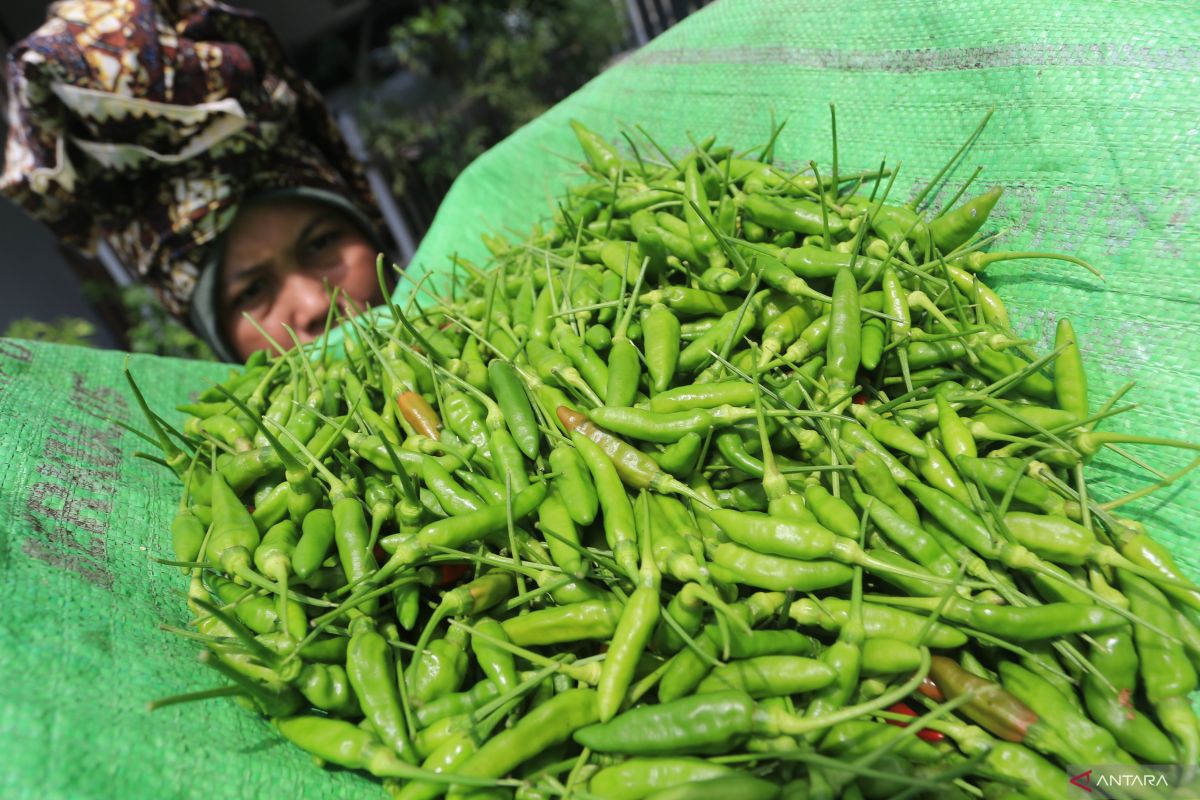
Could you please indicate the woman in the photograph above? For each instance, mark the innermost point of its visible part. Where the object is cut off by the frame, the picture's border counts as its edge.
(177, 132)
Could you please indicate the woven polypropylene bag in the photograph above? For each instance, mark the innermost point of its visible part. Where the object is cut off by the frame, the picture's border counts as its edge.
(1093, 138)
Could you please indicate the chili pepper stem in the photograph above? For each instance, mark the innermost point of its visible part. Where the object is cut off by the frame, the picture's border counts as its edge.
(191, 697)
(1138, 494)
(585, 672)
(916, 201)
(773, 722)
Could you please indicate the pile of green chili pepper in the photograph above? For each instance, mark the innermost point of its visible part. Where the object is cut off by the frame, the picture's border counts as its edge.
(732, 480)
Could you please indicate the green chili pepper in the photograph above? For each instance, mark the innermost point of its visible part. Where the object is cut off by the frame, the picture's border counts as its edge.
(1078, 733)
(734, 787)
(518, 413)
(800, 216)
(689, 302)
(548, 724)
(561, 536)
(878, 621)
(638, 619)
(454, 532)
(465, 417)
(887, 656)
(352, 537)
(573, 480)
(703, 396)
(843, 348)
(232, 524)
(873, 473)
(1019, 624)
(1166, 671)
(912, 539)
(187, 535)
(617, 512)
(439, 670)
(679, 458)
(699, 219)
(316, 538)
(636, 778)
(769, 676)
(597, 151)
(590, 619)
(703, 723)
(370, 667)
(832, 512)
(733, 563)
(872, 337)
(952, 229)
(1110, 702)
(998, 474)
(327, 687)
(666, 427)
(347, 745)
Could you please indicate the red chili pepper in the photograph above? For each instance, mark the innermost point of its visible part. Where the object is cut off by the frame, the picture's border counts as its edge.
(860, 399)
(453, 572)
(931, 690)
(924, 733)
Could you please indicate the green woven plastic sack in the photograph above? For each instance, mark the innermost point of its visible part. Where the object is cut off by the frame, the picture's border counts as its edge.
(1092, 138)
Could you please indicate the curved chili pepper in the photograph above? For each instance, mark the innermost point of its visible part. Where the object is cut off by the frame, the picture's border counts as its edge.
(347, 745)
(878, 621)
(952, 229)
(454, 532)
(598, 152)
(548, 724)
(1166, 671)
(666, 427)
(800, 216)
(733, 563)
(1079, 734)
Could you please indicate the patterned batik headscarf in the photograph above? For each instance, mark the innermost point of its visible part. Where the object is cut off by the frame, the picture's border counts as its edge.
(147, 123)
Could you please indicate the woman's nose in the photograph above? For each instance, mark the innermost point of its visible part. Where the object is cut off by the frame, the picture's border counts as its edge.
(307, 302)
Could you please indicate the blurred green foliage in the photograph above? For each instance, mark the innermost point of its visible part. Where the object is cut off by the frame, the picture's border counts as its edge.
(154, 330)
(64, 330)
(490, 67)
(151, 329)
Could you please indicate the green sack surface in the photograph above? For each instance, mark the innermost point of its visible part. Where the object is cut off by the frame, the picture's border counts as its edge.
(1093, 139)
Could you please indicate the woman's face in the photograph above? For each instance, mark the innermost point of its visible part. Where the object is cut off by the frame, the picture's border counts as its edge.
(282, 261)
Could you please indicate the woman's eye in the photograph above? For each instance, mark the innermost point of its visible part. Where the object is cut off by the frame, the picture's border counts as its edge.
(322, 241)
(252, 291)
